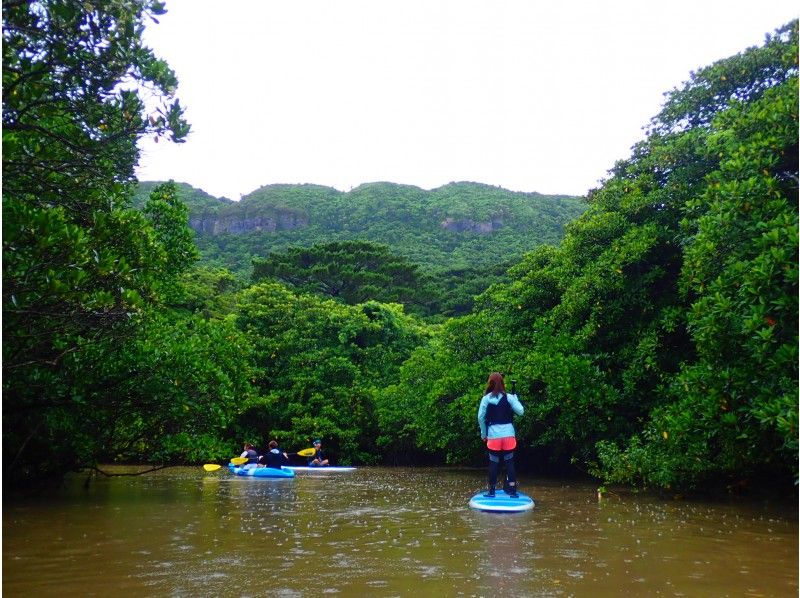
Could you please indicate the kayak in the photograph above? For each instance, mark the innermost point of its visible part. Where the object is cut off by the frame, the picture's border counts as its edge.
(501, 502)
(319, 468)
(261, 472)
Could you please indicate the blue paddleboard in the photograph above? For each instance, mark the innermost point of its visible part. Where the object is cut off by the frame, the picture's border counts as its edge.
(261, 472)
(501, 502)
(319, 468)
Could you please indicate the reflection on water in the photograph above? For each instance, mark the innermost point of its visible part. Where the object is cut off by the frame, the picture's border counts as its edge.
(385, 532)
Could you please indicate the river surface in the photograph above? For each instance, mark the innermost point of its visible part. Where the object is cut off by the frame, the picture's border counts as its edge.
(386, 532)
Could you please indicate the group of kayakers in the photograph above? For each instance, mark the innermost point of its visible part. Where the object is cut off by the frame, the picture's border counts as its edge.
(495, 416)
(277, 458)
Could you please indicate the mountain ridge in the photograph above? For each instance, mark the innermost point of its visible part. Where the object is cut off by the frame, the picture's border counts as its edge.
(458, 225)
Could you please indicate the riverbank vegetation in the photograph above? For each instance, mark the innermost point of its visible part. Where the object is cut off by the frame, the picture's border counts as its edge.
(654, 341)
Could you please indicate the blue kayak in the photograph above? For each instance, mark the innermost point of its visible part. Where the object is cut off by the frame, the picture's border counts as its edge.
(261, 472)
(501, 502)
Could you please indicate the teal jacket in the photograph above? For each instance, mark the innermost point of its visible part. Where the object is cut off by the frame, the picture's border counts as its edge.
(498, 430)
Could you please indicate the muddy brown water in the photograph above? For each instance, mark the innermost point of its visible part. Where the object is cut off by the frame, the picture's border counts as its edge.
(386, 532)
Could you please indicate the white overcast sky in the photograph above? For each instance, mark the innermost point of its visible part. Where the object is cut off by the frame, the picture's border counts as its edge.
(528, 95)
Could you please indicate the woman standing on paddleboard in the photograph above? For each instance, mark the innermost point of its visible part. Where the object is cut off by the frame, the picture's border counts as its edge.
(495, 415)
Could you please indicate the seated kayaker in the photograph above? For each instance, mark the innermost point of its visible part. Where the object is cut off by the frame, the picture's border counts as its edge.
(250, 454)
(318, 460)
(275, 457)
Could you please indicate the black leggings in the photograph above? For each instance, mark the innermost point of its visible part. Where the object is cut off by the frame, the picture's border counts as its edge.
(495, 457)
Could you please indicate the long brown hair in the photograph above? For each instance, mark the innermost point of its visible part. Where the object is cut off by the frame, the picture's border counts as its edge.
(495, 384)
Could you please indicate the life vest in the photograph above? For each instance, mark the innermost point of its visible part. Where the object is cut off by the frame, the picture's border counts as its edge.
(317, 455)
(274, 458)
(500, 413)
(252, 456)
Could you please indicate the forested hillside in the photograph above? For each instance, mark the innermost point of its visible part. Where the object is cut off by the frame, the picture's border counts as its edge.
(655, 344)
(459, 225)
(462, 237)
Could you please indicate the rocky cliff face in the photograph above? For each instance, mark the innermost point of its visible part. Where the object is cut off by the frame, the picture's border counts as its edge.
(238, 224)
(467, 225)
(216, 225)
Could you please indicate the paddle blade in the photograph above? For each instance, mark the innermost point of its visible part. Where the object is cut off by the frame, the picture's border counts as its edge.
(309, 452)
(239, 460)
(211, 467)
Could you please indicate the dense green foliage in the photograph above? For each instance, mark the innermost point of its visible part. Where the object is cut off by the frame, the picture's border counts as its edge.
(655, 344)
(84, 275)
(733, 409)
(319, 366)
(352, 272)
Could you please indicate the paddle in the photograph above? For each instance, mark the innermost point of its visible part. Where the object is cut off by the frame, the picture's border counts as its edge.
(215, 466)
(309, 452)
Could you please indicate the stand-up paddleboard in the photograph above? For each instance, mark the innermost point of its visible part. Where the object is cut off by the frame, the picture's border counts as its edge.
(501, 502)
(261, 472)
(319, 468)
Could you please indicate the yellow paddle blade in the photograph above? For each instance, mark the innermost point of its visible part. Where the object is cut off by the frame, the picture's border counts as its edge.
(211, 467)
(239, 460)
(309, 452)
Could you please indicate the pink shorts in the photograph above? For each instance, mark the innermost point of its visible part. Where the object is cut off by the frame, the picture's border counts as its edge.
(507, 443)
